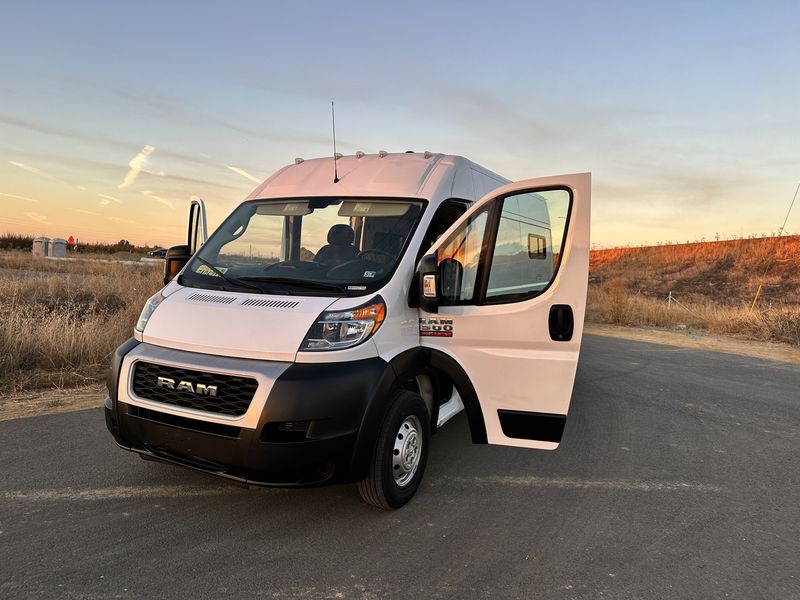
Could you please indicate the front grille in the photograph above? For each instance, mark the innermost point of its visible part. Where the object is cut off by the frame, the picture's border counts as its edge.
(183, 422)
(233, 394)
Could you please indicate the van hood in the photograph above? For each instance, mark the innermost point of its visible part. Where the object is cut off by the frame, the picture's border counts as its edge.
(260, 326)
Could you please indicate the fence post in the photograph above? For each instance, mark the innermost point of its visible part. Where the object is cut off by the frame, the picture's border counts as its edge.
(669, 301)
(758, 293)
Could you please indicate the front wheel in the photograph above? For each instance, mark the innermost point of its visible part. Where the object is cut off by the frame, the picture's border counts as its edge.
(400, 455)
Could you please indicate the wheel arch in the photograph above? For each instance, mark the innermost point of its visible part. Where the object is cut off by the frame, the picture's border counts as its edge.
(421, 360)
(400, 368)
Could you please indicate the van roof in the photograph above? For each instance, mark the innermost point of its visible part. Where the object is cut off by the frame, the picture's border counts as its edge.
(401, 175)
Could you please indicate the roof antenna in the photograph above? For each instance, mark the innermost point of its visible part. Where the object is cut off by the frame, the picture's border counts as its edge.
(335, 156)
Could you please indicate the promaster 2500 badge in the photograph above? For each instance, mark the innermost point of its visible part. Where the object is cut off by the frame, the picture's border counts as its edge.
(436, 327)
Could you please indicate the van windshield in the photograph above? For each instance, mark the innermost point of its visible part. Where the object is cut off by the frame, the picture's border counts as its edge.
(318, 246)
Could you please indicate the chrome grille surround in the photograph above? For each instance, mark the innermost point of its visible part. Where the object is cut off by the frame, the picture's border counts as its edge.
(264, 372)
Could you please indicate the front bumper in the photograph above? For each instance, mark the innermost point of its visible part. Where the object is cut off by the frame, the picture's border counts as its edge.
(309, 429)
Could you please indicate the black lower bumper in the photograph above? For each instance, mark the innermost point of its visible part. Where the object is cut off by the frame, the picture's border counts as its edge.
(312, 430)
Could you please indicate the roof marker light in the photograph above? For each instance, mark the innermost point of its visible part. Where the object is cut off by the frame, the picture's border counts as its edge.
(427, 154)
(337, 155)
(382, 153)
(360, 154)
(298, 160)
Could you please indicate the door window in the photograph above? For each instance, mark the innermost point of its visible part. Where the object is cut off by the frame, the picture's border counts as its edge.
(527, 249)
(447, 214)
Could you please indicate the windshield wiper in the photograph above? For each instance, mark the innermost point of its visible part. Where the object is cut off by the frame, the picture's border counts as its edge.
(233, 281)
(314, 285)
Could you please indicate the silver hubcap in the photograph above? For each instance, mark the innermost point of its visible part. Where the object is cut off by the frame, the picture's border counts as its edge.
(407, 450)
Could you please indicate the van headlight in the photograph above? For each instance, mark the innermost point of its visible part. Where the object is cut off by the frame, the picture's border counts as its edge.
(338, 329)
(147, 311)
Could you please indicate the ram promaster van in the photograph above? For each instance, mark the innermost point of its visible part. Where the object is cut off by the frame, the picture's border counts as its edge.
(330, 325)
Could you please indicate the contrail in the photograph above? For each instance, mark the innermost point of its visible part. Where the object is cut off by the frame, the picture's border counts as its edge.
(243, 173)
(137, 165)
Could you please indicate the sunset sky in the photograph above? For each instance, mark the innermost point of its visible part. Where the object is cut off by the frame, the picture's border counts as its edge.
(113, 114)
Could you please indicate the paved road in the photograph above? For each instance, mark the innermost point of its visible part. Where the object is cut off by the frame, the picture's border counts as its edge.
(678, 478)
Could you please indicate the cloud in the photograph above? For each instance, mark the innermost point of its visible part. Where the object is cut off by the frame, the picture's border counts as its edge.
(16, 197)
(243, 173)
(85, 212)
(163, 201)
(29, 168)
(106, 200)
(39, 218)
(137, 165)
(73, 134)
(120, 220)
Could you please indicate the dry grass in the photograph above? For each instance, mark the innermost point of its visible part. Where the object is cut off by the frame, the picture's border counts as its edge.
(714, 284)
(60, 321)
(85, 264)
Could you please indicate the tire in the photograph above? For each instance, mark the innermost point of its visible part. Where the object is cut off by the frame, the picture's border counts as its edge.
(401, 453)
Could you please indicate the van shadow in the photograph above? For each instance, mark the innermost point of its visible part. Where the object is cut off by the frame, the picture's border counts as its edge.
(454, 464)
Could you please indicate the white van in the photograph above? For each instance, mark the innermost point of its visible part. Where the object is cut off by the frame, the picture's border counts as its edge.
(327, 328)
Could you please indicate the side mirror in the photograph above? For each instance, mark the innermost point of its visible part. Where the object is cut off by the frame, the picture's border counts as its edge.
(175, 259)
(450, 275)
(428, 284)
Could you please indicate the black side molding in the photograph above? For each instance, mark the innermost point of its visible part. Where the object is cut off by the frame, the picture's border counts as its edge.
(543, 427)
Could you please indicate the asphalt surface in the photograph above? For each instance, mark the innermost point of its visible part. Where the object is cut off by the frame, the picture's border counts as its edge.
(677, 478)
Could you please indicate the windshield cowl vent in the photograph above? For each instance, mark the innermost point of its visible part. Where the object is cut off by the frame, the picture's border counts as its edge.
(264, 303)
(212, 298)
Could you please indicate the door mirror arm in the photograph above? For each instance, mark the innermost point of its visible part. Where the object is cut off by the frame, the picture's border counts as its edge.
(175, 259)
(428, 282)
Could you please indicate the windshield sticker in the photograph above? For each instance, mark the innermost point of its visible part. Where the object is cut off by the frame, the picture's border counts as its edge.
(361, 208)
(204, 270)
(369, 274)
(436, 327)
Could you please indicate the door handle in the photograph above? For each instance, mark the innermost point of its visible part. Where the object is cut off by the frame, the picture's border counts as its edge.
(561, 322)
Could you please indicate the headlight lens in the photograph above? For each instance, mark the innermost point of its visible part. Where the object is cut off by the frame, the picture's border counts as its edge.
(147, 311)
(335, 330)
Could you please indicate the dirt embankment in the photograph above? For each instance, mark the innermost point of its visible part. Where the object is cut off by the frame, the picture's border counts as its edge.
(40, 402)
(706, 286)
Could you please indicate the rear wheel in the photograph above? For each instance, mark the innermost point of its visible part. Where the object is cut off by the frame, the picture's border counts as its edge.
(399, 459)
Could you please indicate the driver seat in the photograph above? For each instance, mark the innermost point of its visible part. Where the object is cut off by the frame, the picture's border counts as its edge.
(339, 248)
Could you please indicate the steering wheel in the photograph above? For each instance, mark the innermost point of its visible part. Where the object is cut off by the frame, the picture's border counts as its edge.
(292, 264)
(385, 257)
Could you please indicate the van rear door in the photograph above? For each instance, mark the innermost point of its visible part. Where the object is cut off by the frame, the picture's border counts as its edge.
(511, 282)
(198, 226)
